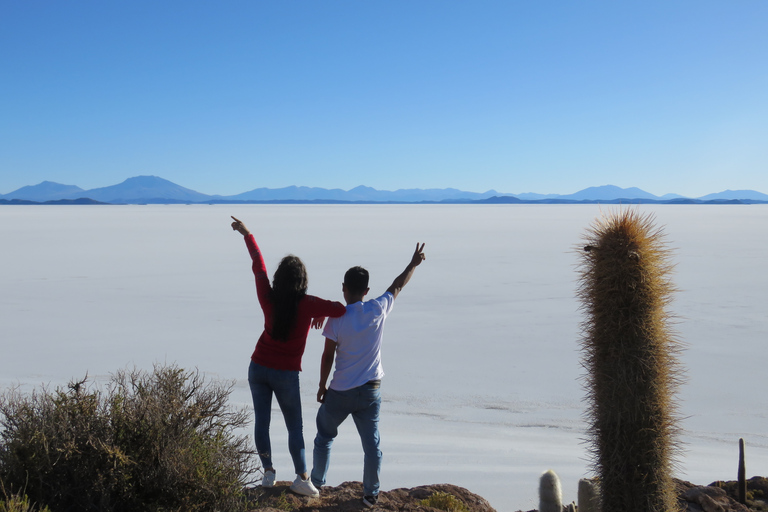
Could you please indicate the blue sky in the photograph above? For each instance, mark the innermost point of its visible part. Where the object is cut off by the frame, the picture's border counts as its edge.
(517, 96)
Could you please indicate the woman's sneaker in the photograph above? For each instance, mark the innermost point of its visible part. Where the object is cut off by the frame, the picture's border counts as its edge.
(268, 480)
(304, 487)
(370, 501)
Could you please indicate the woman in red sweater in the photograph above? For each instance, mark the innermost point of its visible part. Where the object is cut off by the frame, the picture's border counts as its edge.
(276, 361)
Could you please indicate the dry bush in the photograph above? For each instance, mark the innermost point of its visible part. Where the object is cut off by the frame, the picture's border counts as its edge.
(163, 440)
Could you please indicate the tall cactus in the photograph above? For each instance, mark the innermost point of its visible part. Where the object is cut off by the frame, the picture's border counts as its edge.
(629, 354)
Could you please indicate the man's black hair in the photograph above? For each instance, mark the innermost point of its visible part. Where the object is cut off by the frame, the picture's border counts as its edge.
(356, 280)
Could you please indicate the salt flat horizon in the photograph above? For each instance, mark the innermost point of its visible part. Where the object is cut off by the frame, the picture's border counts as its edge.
(483, 381)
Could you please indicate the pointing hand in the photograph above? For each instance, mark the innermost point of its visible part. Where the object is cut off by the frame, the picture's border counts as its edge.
(240, 227)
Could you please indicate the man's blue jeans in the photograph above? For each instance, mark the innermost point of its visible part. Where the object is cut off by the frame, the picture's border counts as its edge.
(364, 404)
(285, 386)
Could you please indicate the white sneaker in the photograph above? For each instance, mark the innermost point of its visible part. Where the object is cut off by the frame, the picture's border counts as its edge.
(304, 487)
(268, 480)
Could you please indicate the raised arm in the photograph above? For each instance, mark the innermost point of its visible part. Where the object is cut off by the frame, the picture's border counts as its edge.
(400, 281)
(253, 247)
(263, 288)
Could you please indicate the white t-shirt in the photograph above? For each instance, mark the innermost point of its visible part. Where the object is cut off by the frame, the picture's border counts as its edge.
(358, 334)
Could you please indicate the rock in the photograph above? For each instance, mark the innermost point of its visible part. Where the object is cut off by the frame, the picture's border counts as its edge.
(347, 497)
(698, 498)
(757, 491)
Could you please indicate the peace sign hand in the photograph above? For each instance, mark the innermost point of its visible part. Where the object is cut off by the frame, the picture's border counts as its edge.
(418, 255)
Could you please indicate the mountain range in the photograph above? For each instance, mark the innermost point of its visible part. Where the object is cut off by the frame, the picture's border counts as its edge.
(155, 190)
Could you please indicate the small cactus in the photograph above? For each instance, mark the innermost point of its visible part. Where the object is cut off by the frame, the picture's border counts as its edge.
(550, 494)
(742, 475)
(589, 495)
(629, 354)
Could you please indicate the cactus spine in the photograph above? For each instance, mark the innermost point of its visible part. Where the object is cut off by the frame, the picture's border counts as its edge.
(629, 354)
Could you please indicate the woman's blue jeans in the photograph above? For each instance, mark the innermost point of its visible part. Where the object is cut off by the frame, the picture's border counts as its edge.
(285, 386)
(364, 404)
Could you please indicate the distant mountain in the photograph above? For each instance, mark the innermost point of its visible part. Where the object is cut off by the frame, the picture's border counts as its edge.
(84, 200)
(288, 193)
(152, 189)
(360, 193)
(143, 189)
(500, 200)
(736, 194)
(45, 191)
(609, 193)
(532, 196)
(603, 193)
(420, 194)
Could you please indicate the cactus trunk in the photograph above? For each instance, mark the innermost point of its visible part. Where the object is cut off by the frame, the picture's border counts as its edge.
(629, 355)
(742, 475)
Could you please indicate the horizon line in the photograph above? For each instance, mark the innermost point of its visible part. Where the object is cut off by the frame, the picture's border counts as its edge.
(491, 190)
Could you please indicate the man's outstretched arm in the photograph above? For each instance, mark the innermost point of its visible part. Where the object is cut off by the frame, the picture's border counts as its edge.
(400, 281)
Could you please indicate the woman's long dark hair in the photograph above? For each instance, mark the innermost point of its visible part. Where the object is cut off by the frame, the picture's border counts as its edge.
(289, 285)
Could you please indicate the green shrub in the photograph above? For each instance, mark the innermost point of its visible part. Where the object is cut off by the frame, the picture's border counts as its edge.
(151, 441)
(282, 503)
(18, 503)
(444, 501)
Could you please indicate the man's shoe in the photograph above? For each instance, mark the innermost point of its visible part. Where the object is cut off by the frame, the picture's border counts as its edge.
(370, 501)
(304, 487)
(268, 480)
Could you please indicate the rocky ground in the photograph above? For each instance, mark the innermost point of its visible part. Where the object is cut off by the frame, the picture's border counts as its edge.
(716, 497)
(721, 496)
(347, 497)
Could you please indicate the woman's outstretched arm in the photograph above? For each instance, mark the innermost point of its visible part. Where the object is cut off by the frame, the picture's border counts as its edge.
(263, 289)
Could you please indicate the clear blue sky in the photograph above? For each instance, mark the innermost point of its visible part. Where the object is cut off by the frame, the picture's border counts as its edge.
(514, 95)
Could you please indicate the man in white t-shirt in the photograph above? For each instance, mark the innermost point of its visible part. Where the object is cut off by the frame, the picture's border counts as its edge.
(354, 341)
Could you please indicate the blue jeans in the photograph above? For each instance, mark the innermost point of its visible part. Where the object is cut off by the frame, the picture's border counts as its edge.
(285, 386)
(364, 404)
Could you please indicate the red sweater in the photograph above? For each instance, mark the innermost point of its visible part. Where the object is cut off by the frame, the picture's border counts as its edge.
(284, 355)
